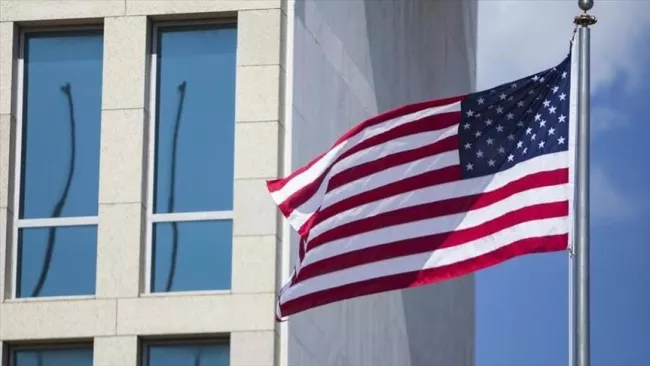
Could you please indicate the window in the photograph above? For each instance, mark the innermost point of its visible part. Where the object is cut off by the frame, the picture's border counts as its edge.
(52, 356)
(189, 230)
(187, 353)
(55, 240)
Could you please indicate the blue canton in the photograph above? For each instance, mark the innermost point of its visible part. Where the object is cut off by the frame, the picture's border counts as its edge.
(514, 122)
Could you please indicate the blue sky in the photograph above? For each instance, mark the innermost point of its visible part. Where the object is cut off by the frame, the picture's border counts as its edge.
(522, 305)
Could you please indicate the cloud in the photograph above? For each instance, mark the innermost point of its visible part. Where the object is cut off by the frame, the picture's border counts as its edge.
(609, 203)
(520, 37)
(604, 119)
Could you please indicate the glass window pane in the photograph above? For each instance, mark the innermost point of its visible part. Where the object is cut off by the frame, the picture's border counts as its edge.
(71, 356)
(195, 119)
(192, 256)
(57, 261)
(61, 124)
(206, 354)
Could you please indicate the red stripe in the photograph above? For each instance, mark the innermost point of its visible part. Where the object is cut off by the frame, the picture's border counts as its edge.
(431, 178)
(433, 242)
(447, 144)
(277, 184)
(440, 208)
(425, 277)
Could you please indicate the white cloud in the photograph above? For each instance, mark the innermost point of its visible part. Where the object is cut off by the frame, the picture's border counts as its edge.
(605, 118)
(520, 37)
(608, 202)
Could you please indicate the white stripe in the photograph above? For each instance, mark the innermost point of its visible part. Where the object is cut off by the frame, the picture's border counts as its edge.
(314, 171)
(466, 187)
(379, 179)
(427, 260)
(301, 214)
(436, 225)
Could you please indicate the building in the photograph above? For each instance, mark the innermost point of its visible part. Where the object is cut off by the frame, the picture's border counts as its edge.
(131, 130)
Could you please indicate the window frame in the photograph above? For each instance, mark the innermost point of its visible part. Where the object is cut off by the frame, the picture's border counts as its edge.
(153, 218)
(180, 341)
(19, 223)
(13, 348)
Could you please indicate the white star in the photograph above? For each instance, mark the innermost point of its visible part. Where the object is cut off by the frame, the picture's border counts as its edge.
(561, 118)
(492, 91)
(525, 150)
(479, 154)
(499, 128)
(466, 126)
(564, 75)
(470, 113)
(520, 103)
(468, 146)
(542, 123)
(541, 80)
(530, 110)
(470, 166)
(478, 134)
(547, 103)
(511, 157)
(538, 117)
(490, 141)
(477, 115)
(529, 130)
(501, 150)
(531, 92)
(511, 137)
(491, 162)
(488, 122)
(541, 144)
(499, 110)
(513, 85)
(535, 78)
(510, 98)
(520, 144)
(510, 116)
(562, 96)
(481, 100)
(560, 140)
(551, 131)
(552, 110)
(533, 137)
(502, 96)
(520, 124)
(555, 89)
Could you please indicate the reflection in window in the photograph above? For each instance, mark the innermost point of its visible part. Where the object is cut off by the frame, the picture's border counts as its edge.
(187, 354)
(59, 170)
(193, 163)
(53, 356)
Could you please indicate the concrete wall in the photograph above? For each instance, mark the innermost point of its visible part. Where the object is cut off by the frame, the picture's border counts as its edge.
(354, 59)
(119, 313)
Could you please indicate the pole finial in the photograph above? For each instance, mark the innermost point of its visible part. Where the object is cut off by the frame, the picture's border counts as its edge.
(586, 5)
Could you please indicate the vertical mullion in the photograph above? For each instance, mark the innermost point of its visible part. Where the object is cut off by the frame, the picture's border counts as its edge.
(18, 145)
(151, 151)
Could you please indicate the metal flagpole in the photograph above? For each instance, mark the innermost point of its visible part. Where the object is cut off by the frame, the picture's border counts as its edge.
(581, 351)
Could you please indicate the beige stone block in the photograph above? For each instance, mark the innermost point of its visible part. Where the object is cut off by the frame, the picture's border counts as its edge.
(7, 65)
(121, 172)
(17, 10)
(119, 249)
(252, 348)
(125, 62)
(258, 93)
(115, 351)
(257, 153)
(57, 319)
(254, 211)
(254, 264)
(194, 314)
(7, 132)
(159, 7)
(258, 37)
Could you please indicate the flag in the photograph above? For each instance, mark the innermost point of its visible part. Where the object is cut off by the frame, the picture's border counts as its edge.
(433, 191)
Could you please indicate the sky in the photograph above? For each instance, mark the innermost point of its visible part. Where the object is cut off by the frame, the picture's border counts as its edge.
(522, 305)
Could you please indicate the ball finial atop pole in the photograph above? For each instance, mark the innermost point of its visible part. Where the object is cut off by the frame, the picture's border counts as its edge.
(586, 5)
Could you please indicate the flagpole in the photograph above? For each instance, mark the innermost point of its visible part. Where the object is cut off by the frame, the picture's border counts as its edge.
(581, 341)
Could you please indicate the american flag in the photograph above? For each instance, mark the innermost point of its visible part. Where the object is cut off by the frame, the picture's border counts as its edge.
(432, 191)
